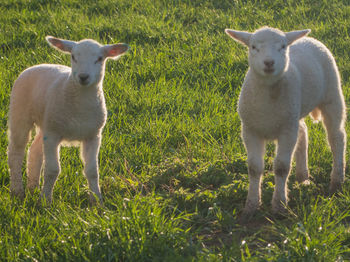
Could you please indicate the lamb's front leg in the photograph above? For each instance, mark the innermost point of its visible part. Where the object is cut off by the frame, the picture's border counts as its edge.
(90, 149)
(286, 145)
(255, 147)
(52, 165)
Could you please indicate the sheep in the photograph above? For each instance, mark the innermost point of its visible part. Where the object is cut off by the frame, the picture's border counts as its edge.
(66, 105)
(289, 77)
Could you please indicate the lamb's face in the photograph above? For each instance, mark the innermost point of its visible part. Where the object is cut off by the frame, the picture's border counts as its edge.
(268, 48)
(268, 52)
(88, 58)
(88, 63)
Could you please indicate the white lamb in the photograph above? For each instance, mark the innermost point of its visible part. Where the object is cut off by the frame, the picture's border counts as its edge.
(65, 104)
(289, 77)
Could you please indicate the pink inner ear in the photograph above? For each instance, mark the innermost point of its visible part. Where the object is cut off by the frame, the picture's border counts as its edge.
(232, 34)
(116, 50)
(113, 51)
(57, 43)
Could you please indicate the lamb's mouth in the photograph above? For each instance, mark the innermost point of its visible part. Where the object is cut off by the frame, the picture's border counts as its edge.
(84, 83)
(269, 70)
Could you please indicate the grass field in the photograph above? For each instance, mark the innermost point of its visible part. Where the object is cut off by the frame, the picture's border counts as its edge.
(173, 167)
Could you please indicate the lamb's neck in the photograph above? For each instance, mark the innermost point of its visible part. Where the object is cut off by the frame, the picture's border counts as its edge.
(268, 88)
(266, 81)
(76, 94)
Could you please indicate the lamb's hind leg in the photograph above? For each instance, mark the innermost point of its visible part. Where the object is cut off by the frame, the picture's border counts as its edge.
(18, 139)
(35, 160)
(333, 119)
(300, 154)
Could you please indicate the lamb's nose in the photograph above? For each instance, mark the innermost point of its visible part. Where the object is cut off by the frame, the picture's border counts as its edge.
(83, 77)
(269, 63)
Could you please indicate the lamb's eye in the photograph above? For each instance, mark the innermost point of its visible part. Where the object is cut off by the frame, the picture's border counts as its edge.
(254, 48)
(73, 58)
(99, 59)
(283, 46)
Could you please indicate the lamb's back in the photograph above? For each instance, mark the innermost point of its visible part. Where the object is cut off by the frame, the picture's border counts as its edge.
(35, 87)
(317, 70)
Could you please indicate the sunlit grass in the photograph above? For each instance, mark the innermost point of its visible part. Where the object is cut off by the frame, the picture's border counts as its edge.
(172, 164)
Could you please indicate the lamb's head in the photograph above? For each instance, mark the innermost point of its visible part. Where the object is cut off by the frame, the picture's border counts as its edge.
(268, 49)
(88, 58)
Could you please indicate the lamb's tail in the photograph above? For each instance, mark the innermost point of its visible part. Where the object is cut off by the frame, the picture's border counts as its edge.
(316, 115)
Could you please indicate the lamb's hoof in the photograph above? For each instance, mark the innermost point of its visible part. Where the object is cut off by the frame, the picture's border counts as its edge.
(32, 188)
(280, 214)
(247, 214)
(304, 182)
(244, 217)
(18, 192)
(303, 178)
(335, 188)
(279, 209)
(94, 200)
(45, 201)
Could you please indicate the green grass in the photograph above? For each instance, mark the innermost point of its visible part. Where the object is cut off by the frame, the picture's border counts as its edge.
(172, 163)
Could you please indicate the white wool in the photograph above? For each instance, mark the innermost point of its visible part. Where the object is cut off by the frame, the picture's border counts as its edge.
(65, 104)
(289, 77)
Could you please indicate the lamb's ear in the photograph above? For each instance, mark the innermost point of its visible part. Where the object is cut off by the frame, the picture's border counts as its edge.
(114, 51)
(65, 46)
(240, 36)
(295, 35)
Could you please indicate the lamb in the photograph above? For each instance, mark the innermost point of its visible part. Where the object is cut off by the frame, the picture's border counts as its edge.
(289, 77)
(66, 105)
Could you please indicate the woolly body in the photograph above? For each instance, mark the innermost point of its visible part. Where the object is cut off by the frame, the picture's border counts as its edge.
(58, 106)
(301, 89)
